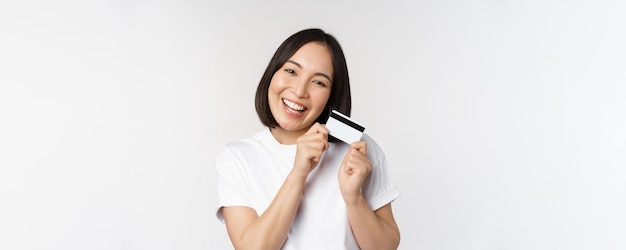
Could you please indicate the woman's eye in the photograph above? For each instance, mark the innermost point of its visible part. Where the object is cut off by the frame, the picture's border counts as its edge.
(319, 83)
(290, 71)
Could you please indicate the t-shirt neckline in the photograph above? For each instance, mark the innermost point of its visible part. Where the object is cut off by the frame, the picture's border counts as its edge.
(270, 141)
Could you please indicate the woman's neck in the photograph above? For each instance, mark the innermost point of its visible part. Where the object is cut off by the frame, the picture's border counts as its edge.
(286, 137)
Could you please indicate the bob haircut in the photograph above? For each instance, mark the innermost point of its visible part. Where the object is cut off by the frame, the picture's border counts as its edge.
(339, 98)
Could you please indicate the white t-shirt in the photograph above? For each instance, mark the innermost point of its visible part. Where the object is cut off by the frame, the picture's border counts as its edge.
(252, 170)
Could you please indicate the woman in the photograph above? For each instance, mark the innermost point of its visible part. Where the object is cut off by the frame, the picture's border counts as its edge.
(287, 186)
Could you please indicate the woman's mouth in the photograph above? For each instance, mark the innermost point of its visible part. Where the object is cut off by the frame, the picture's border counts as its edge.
(294, 107)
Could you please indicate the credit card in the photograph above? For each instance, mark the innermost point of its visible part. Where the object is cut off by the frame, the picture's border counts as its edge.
(341, 127)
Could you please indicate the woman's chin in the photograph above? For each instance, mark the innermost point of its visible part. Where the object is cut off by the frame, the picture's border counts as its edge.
(290, 127)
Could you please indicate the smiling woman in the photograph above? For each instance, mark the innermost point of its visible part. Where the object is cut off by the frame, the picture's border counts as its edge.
(299, 90)
(287, 186)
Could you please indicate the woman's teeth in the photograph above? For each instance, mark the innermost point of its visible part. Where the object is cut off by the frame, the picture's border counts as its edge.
(293, 106)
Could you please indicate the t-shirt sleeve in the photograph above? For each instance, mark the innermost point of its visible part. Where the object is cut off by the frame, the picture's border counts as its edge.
(379, 188)
(232, 186)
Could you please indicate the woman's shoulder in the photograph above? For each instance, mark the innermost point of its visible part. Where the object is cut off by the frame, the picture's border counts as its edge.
(247, 142)
(371, 143)
(374, 151)
(241, 149)
(367, 138)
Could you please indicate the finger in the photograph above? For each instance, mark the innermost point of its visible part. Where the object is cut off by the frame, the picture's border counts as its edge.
(317, 128)
(321, 145)
(316, 159)
(361, 146)
(311, 135)
(317, 140)
(321, 136)
(357, 169)
(325, 140)
(322, 128)
(356, 161)
(312, 130)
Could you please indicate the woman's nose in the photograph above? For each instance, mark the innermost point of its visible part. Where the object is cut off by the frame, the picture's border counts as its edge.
(300, 88)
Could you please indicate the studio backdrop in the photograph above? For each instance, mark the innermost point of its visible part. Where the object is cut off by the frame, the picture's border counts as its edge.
(503, 121)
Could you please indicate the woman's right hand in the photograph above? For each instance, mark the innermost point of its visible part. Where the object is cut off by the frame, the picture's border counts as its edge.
(310, 148)
(247, 229)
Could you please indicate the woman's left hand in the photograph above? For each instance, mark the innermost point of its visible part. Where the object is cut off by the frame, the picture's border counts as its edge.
(356, 166)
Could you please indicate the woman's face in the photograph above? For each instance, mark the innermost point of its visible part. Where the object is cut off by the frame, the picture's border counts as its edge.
(300, 89)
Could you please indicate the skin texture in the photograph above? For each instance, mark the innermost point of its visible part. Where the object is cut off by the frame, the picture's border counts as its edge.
(305, 80)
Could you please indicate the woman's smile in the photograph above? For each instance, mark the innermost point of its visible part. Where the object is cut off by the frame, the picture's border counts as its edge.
(293, 107)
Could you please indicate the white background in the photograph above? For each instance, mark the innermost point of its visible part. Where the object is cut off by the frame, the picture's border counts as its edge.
(504, 121)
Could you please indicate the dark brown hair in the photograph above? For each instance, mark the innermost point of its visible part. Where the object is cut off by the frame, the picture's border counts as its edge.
(340, 92)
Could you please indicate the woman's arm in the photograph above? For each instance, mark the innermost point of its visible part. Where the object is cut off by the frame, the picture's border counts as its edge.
(269, 231)
(371, 229)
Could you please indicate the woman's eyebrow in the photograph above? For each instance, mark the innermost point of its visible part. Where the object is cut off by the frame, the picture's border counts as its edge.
(317, 74)
(324, 75)
(297, 64)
